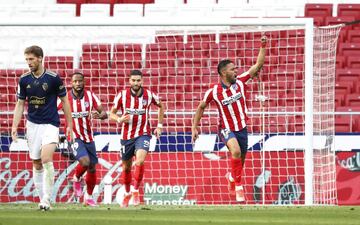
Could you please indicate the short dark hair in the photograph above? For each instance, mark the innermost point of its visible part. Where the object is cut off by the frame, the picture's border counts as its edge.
(35, 50)
(136, 73)
(222, 64)
(78, 73)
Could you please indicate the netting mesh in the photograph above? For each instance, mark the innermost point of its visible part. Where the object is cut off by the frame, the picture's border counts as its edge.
(180, 65)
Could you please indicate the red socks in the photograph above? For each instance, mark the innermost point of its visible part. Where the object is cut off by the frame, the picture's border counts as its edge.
(236, 170)
(139, 173)
(90, 182)
(126, 177)
(80, 170)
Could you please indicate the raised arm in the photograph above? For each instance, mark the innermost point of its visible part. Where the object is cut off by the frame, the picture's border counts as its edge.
(253, 71)
(68, 117)
(196, 120)
(18, 112)
(159, 127)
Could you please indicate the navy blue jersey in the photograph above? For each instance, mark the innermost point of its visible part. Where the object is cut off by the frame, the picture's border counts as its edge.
(41, 94)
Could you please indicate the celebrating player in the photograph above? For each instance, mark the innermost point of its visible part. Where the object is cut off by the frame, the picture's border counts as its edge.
(83, 103)
(229, 96)
(40, 88)
(134, 104)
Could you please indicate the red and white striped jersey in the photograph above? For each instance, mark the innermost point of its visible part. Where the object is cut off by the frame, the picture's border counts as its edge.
(230, 102)
(138, 109)
(81, 114)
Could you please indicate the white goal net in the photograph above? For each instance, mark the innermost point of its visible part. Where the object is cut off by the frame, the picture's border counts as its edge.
(289, 160)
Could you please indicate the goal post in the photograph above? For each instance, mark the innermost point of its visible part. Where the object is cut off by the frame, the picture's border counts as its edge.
(179, 58)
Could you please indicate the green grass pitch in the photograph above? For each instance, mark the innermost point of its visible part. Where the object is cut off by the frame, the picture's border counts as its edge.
(70, 214)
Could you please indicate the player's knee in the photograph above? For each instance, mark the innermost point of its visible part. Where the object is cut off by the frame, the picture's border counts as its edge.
(139, 162)
(84, 161)
(37, 164)
(91, 168)
(126, 167)
(236, 153)
(46, 159)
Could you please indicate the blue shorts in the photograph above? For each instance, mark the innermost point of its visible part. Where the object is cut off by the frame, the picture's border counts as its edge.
(129, 147)
(241, 136)
(81, 149)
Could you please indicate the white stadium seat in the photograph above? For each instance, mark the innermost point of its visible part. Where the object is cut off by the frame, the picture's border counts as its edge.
(169, 2)
(11, 2)
(60, 11)
(201, 2)
(284, 11)
(156, 11)
(249, 11)
(28, 11)
(128, 10)
(188, 11)
(95, 10)
(6, 11)
(42, 2)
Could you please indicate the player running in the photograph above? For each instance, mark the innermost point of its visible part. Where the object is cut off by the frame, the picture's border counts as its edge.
(40, 88)
(229, 96)
(134, 103)
(85, 106)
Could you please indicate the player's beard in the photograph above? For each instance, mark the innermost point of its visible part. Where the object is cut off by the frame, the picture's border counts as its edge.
(136, 91)
(79, 91)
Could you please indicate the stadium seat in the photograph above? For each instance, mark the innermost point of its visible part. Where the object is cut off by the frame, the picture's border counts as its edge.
(352, 99)
(28, 11)
(95, 10)
(337, 20)
(6, 11)
(159, 11)
(58, 62)
(349, 49)
(344, 87)
(349, 10)
(343, 124)
(135, 1)
(60, 10)
(284, 11)
(348, 74)
(322, 10)
(94, 61)
(76, 2)
(129, 48)
(340, 62)
(353, 36)
(249, 11)
(353, 62)
(127, 11)
(167, 2)
(192, 11)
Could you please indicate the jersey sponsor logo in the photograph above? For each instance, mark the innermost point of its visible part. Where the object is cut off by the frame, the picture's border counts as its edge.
(45, 86)
(135, 111)
(231, 99)
(34, 100)
(77, 115)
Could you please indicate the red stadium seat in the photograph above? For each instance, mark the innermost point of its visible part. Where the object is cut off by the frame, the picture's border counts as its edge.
(353, 36)
(348, 74)
(322, 10)
(340, 62)
(58, 62)
(343, 124)
(352, 100)
(349, 49)
(94, 61)
(170, 39)
(130, 48)
(338, 20)
(344, 87)
(77, 2)
(353, 62)
(339, 100)
(201, 38)
(349, 10)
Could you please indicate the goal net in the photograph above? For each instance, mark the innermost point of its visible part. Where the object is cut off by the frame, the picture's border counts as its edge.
(290, 159)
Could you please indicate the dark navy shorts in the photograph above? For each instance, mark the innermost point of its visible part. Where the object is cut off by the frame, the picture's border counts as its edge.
(81, 149)
(129, 147)
(241, 136)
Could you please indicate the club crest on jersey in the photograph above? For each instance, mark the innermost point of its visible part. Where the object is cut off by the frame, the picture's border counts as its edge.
(86, 104)
(45, 86)
(234, 86)
(144, 101)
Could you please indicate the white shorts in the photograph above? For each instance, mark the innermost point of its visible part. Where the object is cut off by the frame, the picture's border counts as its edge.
(38, 135)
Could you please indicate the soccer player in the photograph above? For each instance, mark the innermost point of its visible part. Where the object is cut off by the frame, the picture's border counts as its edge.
(134, 103)
(229, 96)
(83, 103)
(40, 88)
